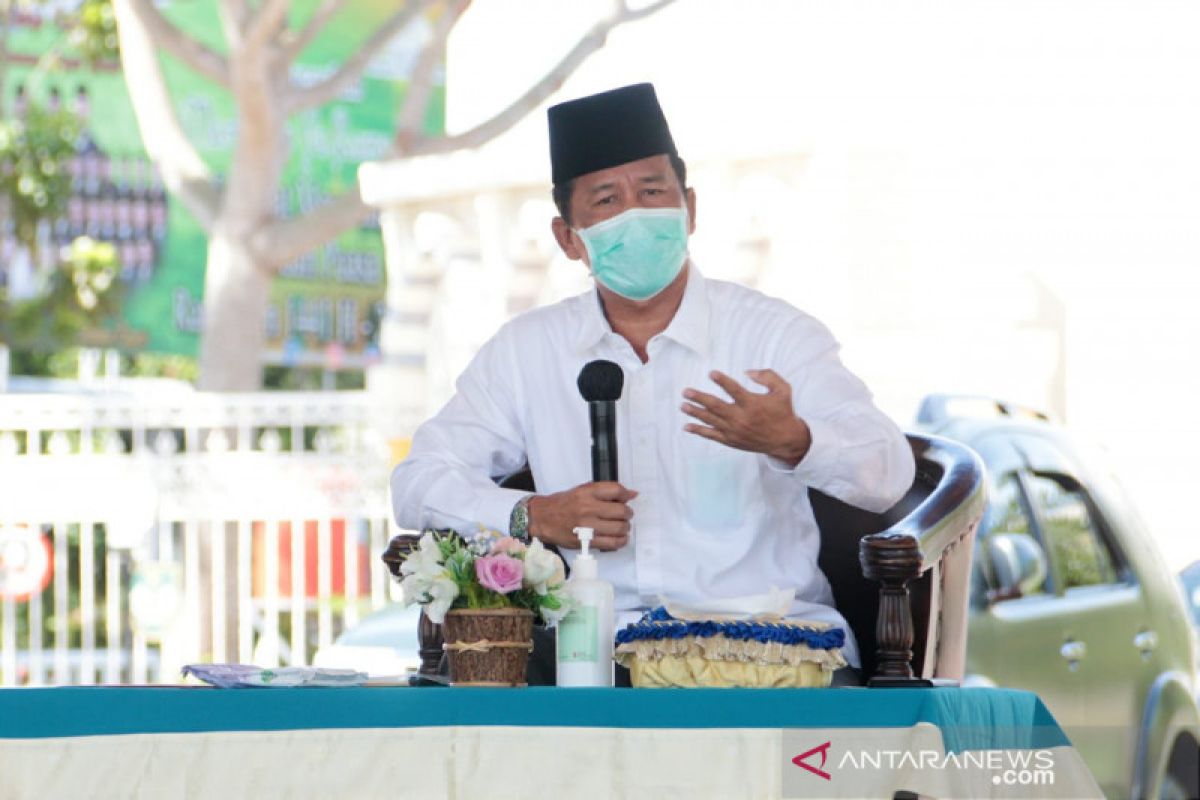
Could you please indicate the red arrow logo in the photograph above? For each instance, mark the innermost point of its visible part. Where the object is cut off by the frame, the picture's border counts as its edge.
(823, 749)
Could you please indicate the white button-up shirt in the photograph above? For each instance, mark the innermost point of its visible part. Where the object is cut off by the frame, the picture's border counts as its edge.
(710, 521)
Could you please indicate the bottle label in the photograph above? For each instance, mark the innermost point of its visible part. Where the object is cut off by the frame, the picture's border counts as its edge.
(578, 635)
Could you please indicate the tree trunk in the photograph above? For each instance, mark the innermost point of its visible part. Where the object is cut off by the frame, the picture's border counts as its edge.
(236, 297)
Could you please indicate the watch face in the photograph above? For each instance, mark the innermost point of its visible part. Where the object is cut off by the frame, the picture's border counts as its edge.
(518, 524)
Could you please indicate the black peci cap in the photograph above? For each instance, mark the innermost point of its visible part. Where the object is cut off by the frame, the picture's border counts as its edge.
(606, 129)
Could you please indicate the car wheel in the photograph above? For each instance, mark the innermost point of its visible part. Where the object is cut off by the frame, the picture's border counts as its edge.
(1171, 788)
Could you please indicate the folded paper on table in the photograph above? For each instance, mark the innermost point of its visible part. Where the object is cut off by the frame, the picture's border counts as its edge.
(248, 676)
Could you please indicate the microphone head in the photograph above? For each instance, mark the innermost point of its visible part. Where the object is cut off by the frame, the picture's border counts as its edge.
(601, 380)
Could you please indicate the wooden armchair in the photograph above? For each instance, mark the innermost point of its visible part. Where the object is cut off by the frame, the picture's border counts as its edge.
(912, 626)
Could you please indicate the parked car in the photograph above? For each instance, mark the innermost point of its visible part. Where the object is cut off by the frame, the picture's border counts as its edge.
(383, 644)
(1072, 600)
(1190, 577)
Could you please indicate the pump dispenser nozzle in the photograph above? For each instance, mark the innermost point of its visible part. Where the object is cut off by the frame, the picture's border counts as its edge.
(585, 563)
(585, 539)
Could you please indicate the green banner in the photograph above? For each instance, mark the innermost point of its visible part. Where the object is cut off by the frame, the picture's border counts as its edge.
(324, 307)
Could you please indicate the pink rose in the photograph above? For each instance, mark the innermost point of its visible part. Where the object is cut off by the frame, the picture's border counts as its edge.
(509, 546)
(500, 573)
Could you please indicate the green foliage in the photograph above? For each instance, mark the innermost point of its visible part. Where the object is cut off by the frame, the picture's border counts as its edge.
(93, 33)
(460, 565)
(46, 363)
(1074, 542)
(1076, 551)
(83, 293)
(159, 365)
(34, 156)
(311, 379)
(71, 625)
(35, 184)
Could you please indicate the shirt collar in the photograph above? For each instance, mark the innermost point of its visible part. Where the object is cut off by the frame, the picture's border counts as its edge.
(593, 326)
(689, 327)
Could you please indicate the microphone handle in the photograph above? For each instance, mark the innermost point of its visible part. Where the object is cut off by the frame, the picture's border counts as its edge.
(602, 414)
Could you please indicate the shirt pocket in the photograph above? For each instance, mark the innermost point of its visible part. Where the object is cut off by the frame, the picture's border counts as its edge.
(718, 485)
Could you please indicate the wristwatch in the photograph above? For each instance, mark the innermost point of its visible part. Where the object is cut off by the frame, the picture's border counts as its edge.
(518, 521)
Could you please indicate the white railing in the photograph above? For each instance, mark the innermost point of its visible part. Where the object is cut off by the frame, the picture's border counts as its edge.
(185, 528)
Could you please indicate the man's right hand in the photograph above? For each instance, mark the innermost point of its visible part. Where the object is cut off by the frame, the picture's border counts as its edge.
(602, 506)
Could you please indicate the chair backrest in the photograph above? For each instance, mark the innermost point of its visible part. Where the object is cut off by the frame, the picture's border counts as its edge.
(941, 510)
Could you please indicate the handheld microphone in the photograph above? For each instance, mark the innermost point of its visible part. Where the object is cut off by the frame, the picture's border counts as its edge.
(600, 383)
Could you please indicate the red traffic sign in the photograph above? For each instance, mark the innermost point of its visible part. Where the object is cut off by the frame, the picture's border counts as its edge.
(26, 562)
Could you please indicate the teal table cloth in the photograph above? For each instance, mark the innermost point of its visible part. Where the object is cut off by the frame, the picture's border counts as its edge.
(497, 743)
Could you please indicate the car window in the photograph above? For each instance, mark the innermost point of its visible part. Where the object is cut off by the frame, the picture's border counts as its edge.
(1070, 534)
(1006, 513)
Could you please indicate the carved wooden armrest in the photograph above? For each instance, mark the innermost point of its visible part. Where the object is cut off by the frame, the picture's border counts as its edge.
(937, 535)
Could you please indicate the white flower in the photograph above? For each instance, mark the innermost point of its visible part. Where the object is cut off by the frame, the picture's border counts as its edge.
(480, 541)
(415, 588)
(443, 590)
(542, 568)
(426, 560)
(426, 579)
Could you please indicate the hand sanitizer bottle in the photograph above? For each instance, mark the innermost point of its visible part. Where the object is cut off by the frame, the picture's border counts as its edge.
(585, 635)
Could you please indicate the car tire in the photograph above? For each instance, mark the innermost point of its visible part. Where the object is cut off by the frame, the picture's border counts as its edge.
(1172, 788)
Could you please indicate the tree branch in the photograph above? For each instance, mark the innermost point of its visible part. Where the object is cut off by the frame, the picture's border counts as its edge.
(270, 18)
(294, 43)
(233, 15)
(179, 44)
(184, 172)
(410, 123)
(352, 69)
(282, 242)
(553, 80)
(633, 15)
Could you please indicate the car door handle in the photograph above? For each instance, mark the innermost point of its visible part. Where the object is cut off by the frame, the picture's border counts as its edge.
(1072, 652)
(1145, 641)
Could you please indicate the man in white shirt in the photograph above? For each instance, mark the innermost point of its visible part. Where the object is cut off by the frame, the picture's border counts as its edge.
(734, 403)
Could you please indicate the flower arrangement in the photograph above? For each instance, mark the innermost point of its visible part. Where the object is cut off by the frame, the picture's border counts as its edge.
(483, 570)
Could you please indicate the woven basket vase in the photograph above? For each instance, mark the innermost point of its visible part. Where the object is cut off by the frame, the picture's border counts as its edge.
(488, 646)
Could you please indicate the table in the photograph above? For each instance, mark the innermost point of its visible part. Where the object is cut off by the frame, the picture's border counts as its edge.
(393, 742)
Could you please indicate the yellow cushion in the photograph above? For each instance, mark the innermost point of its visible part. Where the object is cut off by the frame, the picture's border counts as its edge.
(695, 671)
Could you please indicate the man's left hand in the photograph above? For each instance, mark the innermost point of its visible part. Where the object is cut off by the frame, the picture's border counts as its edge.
(759, 423)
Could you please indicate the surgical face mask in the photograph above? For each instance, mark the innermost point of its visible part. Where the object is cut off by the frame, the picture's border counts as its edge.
(638, 252)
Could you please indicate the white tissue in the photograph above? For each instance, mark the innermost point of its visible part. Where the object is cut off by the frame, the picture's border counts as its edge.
(774, 603)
